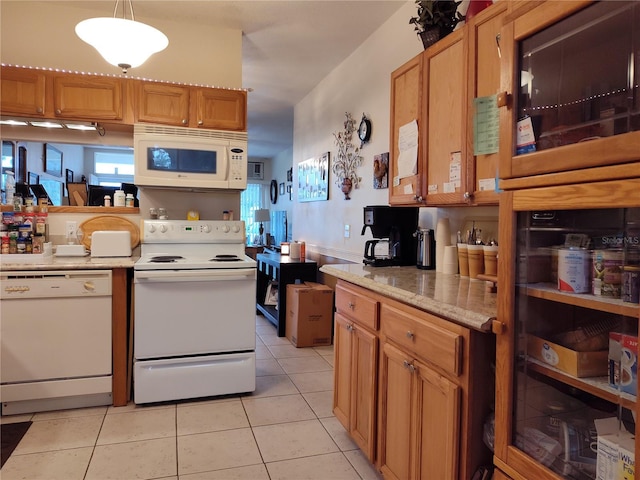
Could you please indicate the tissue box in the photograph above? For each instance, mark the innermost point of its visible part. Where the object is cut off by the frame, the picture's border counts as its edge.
(107, 243)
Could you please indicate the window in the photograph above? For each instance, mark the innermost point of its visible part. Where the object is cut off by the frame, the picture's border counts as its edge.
(113, 168)
(252, 199)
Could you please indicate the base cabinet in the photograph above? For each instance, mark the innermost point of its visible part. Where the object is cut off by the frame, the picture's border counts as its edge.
(412, 389)
(419, 419)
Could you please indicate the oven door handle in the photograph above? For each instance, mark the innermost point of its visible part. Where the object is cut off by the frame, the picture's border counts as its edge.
(195, 275)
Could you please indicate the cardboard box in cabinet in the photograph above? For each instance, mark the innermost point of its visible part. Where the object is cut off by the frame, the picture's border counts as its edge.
(623, 362)
(309, 314)
(616, 451)
(578, 364)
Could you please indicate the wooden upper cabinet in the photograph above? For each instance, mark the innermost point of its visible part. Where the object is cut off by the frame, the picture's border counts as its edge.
(87, 97)
(221, 109)
(445, 75)
(406, 107)
(22, 91)
(484, 81)
(570, 75)
(162, 103)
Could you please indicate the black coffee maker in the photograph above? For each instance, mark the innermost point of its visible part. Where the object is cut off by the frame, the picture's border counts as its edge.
(392, 229)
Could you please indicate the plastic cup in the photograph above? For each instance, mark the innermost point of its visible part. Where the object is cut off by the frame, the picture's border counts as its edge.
(490, 259)
(475, 255)
(463, 262)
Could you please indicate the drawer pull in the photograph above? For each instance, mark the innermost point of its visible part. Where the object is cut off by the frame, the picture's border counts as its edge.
(410, 334)
(350, 327)
(351, 305)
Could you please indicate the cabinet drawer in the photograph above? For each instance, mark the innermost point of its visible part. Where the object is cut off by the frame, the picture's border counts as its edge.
(429, 342)
(352, 302)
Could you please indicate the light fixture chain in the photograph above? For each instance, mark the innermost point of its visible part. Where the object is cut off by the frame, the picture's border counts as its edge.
(133, 18)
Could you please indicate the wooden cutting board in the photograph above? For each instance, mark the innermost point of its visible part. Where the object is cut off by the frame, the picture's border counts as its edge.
(108, 222)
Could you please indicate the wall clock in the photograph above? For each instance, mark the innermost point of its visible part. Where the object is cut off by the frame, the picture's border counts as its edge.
(364, 130)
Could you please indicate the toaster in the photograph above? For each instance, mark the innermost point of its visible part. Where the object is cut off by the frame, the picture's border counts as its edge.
(107, 243)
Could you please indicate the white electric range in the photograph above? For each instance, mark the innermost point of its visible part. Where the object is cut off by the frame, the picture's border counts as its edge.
(194, 326)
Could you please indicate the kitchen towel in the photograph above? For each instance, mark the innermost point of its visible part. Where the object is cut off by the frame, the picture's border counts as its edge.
(443, 239)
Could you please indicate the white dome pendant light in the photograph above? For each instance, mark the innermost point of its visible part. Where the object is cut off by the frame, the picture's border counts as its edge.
(121, 42)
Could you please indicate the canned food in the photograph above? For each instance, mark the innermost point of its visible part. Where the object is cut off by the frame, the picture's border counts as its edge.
(607, 273)
(631, 284)
(573, 270)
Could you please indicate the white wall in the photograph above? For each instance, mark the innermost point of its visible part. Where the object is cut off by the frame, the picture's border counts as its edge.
(361, 84)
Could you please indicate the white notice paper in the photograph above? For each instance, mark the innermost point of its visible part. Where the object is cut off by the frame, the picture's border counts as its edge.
(408, 147)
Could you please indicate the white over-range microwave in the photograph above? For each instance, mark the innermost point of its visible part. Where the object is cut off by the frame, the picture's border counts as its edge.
(189, 158)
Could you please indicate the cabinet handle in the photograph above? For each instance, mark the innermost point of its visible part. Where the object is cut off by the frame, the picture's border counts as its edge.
(498, 38)
(497, 327)
(39, 110)
(351, 305)
(200, 122)
(468, 196)
(350, 327)
(504, 99)
(409, 334)
(58, 111)
(418, 198)
(184, 121)
(410, 366)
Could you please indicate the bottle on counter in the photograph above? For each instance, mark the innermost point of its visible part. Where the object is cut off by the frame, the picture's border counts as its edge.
(128, 201)
(119, 198)
(10, 187)
(107, 201)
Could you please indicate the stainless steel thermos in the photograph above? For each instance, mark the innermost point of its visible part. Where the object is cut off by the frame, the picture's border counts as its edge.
(426, 255)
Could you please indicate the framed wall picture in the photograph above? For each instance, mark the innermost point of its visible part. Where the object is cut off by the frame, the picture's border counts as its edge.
(68, 176)
(282, 188)
(52, 160)
(21, 165)
(313, 179)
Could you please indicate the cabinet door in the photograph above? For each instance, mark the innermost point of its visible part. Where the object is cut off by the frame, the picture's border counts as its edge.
(484, 81)
(221, 109)
(159, 103)
(397, 411)
(445, 73)
(87, 97)
(363, 397)
(571, 70)
(438, 419)
(342, 370)
(406, 107)
(22, 91)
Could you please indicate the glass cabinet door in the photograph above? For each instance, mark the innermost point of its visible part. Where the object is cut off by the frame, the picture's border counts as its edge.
(575, 334)
(579, 77)
(574, 75)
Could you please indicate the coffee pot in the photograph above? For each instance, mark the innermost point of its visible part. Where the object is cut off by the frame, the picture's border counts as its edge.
(392, 229)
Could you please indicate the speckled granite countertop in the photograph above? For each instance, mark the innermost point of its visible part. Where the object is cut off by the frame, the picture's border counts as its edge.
(455, 298)
(52, 262)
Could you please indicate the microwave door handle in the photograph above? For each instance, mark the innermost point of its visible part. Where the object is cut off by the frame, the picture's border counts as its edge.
(195, 275)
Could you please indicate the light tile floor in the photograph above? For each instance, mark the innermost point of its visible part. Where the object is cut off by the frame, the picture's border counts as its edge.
(285, 430)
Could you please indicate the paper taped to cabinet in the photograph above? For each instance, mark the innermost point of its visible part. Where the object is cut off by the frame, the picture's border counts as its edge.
(408, 148)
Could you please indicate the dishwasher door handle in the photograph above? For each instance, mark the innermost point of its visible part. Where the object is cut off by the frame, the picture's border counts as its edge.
(194, 275)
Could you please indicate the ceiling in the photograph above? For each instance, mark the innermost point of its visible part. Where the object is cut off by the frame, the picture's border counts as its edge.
(288, 47)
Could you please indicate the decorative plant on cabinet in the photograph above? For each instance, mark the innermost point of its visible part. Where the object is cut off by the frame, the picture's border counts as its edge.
(436, 19)
(348, 158)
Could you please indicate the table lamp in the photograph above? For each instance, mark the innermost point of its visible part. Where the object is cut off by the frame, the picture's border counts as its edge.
(262, 215)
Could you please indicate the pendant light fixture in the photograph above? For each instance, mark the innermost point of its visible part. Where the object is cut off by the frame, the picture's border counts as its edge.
(122, 42)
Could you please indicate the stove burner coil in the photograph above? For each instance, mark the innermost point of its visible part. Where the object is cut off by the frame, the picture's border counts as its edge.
(225, 258)
(165, 258)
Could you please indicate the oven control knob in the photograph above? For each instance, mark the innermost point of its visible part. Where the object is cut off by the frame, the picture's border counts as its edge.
(163, 228)
(225, 228)
(152, 228)
(236, 229)
(206, 228)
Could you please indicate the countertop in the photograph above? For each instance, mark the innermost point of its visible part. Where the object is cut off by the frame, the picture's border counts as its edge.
(52, 262)
(455, 298)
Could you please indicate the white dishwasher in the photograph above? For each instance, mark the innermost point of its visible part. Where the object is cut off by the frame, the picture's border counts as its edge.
(55, 340)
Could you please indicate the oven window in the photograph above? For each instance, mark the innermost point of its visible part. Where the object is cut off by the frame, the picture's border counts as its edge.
(182, 160)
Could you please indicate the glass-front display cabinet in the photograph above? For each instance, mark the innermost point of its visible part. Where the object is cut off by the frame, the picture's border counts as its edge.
(572, 97)
(567, 352)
